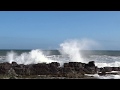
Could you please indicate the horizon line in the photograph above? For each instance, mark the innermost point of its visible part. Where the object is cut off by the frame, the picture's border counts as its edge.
(57, 49)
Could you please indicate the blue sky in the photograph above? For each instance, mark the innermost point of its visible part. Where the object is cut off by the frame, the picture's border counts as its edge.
(47, 29)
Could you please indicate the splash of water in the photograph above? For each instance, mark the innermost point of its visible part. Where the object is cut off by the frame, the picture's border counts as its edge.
(33, 57)
(72, 48)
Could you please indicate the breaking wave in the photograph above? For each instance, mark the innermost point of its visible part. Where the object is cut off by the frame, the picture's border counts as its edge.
(70, 50)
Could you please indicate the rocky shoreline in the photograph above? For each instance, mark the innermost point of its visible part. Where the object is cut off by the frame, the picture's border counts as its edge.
(70, 70)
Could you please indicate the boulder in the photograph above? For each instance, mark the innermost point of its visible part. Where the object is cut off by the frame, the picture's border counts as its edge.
(90, 68)
(91, 64)
(4, 67)
(14, 64)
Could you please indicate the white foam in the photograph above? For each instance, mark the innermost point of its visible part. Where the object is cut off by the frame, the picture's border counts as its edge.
(72, 48)
(105, 76)
(33, 57)
(107, 64)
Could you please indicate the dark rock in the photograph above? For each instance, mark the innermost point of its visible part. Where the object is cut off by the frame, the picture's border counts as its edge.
(40, 69)
(4, 67)
(83, 64)
(73, 75)
(56, 64)
(87, 71)
(100, 69)
(90, 68)
(115, 68)
(68, 70)
(75, 64)
(103, 72)
(91, 64)
(108, 69)
(14, 64)
(66, 65)
(12, 73)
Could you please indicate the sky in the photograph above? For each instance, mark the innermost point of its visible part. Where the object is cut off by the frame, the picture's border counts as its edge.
(47, 29)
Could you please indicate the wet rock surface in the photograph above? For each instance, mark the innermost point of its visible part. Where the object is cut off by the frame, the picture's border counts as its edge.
(53, 69)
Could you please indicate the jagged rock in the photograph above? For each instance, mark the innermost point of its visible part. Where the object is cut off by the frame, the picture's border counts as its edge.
(91, 64)
(108, 69)
(73, 75)
(102, 71)
(75, 64)
(83, 64)
(19, 69)
(87, 71)
(40, 69)
(55, 64)
(4, 67)
(90, 68)
(12, 72)
(70, 69)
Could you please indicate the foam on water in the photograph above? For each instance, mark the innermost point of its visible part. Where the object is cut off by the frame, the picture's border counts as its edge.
(70, 52)
(105, 77)
(33, 57)
(113, 64)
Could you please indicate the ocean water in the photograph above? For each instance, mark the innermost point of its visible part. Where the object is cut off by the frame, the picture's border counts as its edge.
(68, 51)
(101, 57)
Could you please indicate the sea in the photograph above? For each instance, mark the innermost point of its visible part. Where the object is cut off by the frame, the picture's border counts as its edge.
(102, 58)
(68, 51)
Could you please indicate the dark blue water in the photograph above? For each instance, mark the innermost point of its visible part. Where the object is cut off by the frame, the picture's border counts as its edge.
(56, 52)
